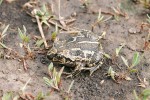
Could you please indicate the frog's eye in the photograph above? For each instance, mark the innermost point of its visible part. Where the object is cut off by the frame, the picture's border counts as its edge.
(51, 56)
(63, 60)
(52, 53)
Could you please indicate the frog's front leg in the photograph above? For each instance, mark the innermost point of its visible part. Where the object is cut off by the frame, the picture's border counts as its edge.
(93, 68)
(78, 68)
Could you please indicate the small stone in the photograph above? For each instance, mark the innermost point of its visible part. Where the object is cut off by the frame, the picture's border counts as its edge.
(132, 30)
(102, 81)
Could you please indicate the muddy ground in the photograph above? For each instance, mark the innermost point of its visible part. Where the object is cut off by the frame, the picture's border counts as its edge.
(13, 76)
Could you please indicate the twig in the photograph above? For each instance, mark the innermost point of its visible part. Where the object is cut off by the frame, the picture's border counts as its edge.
(138, 77)
(70, 32)
(24, 64)
(97, 22)
(41, 30)
(53, 23)
(24, 87)
(59, 9)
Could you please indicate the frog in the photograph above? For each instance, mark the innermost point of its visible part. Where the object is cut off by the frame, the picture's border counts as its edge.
(80, 50)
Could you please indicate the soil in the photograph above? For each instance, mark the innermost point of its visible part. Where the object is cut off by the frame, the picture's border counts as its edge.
(124, 30)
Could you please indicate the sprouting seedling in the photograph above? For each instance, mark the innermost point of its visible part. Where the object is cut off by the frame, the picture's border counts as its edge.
(86, 3)
(100, 17)
(119, 49)
(40, 96)
(118, 12)
(1, 2)
(135, 61)
(70, 86)
(68, 96)
(23, 35)
(144, 95)
(50, 69)
(148, 18)
(54, 34)
(29, 49)
(146, 3)
(102, 35)
(7, 96)
(3, 33)
(55, 79)
(135, 95)
(107, 55)
(44, 14)
(39, 43)
(111, 73)
(125, 61)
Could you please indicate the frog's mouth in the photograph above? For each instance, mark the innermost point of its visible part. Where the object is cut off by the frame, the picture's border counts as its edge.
(60, 59)
(51, 56)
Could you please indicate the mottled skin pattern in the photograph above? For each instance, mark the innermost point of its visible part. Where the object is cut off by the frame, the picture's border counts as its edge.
(81, 50)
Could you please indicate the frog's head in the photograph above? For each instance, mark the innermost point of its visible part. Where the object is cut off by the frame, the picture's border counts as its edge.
(52, 53)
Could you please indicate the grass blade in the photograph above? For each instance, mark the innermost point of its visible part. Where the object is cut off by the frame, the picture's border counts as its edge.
(70, 86)
(118, 49)
(135, 60)
(7, 96)
(24, 87)
(1, 2)
(48, 81)
(50, 67)
(111, 73)
(39, 43)
(135, 95)
(125, 61)
(3, 45)
(145, 94)
(4, 31)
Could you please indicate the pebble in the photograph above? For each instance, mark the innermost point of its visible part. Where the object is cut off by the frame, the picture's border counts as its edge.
(134, 30)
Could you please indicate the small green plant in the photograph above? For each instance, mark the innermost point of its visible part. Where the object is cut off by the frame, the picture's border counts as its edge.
(10, 96)
(118, 12)
(107, 55)
(2, 35)
(111, 73)
(85, 3)
(148, 18)
(40, 96)
(25, 42)
(55, 77)
(54, 34)
(146, 3)
(23, 35)
(144, 95)
(7, 96)
(119, 49)
(135, 61)
(1, 2)
(67, 96)
(100, 17)
(39, 42)
(44, 14)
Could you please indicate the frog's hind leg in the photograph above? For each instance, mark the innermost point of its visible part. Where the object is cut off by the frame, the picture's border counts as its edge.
(76, 71)
(94, 68)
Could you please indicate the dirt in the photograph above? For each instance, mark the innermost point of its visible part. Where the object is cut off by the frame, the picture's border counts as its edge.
(13, 76)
